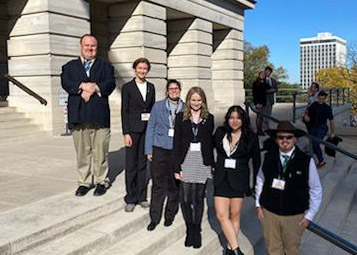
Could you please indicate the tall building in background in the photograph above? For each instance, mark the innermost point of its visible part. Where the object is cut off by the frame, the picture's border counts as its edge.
(322, 51)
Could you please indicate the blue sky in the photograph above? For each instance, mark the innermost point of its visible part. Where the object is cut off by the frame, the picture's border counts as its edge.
(280, 24)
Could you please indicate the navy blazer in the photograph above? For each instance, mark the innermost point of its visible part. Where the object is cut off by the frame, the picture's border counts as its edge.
(96, 111)
(184, 135)
(133, 105)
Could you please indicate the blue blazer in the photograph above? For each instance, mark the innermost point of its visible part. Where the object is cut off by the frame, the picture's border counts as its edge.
(96, 111)
(158, 127)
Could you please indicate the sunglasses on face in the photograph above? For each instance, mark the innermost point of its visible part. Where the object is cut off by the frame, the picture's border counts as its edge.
(281, 137)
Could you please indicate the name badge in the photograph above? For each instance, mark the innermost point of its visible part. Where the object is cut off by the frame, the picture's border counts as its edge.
(171, 132)
(230, 163)
(145, 116)
(278, 184)
(195, 147)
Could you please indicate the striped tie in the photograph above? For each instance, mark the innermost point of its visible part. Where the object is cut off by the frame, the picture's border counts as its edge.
(87, 65)
(285, 162)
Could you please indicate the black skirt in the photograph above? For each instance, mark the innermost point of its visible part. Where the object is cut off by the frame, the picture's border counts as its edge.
(224, 189)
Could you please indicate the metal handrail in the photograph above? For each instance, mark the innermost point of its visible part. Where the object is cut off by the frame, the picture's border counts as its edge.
(314, 138)
(313, 227)
(333, 238)
(26, 89)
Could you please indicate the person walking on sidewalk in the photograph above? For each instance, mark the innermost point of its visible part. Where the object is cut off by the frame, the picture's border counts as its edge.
(158, 148)
(89, 81)
(273, 89)
(260, 88)
(138, 98)
(288, 191)
(193, 154)
(236, 144)
(317, 115)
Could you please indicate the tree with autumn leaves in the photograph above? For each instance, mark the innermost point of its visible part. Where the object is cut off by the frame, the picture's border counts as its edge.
(342, 77)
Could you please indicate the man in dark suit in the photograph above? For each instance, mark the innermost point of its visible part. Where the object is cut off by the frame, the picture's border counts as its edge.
(89, 81)
(138, 97)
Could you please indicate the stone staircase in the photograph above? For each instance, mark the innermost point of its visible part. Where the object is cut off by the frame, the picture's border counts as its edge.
(15, 127)
(69, 225)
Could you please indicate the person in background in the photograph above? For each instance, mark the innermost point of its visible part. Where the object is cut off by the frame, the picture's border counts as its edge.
(89, 81)
(313, 92)
(260, 88)
(288, 191)
(317, 115)
(193, 154)
(270, 94)
(236, 144)
(138, 98)
(158, 148)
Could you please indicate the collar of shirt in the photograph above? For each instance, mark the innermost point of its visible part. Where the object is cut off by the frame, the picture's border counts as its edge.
(289, 153)
(82, 60)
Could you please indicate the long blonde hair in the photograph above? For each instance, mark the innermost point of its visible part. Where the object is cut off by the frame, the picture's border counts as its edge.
(204, 109)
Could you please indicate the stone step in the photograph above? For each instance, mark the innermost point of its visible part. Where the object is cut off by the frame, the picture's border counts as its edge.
(349, 231)
(42, 221)
(334, 216)
(4, 110)
(210, 244)
(18, 122)
(97, 236)
(144, 242)
(10, 116)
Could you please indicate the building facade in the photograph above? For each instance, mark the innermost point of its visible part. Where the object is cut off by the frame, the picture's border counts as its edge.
(199, 42)
(322, 51)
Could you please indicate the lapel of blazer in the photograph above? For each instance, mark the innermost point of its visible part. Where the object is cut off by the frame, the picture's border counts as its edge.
(94, 69)
(81, 71)
(137, 93)
(149, 94)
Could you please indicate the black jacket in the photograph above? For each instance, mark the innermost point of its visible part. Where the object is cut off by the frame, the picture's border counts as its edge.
(260, 92)
(184, 135)
(133, 105)
(294, 199)
(238, 178)
(96, 110)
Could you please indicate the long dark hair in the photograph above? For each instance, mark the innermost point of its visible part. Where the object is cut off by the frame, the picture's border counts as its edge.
(243, 116)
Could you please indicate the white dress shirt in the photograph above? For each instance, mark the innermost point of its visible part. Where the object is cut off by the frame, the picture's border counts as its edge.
(315, 189)
(143, 87)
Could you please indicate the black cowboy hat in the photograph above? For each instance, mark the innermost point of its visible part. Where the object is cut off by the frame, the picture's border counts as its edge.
(286, 126)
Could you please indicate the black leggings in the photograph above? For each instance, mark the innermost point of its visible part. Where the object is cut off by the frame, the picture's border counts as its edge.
(192, 202)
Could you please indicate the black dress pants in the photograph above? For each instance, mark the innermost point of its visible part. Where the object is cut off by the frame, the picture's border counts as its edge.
(163, 184)
(135, 170)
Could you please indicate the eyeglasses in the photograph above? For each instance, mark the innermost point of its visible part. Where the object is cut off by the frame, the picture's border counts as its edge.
(281, 137)
(172, 89)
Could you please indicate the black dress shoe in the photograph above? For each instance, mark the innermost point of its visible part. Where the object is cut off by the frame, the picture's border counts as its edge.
(168, 223)
(151, 226)
(82, 191)
(100, 190)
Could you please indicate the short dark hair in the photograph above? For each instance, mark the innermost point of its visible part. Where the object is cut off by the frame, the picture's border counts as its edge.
(170, 81)
(269, 68)
(142, 60)
(85, 35)
(317, 86)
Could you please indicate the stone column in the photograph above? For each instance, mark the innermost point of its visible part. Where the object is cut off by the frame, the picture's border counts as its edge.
(44, 34)
(189, 54)
(227, 68)
(138, 29)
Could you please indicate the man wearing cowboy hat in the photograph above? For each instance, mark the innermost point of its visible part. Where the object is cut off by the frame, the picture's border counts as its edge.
(288, 191)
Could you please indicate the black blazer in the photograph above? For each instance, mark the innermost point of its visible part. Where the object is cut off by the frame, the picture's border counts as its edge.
(260, 92)
(96, 110)
(133, 105)
(238, 178)
(184, 135)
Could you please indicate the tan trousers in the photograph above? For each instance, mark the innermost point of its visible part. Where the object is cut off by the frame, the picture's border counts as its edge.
(282, 234)
(92, 145)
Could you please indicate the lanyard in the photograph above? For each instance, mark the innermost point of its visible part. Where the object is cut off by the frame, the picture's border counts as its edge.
(195, 131)
(171, 116)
